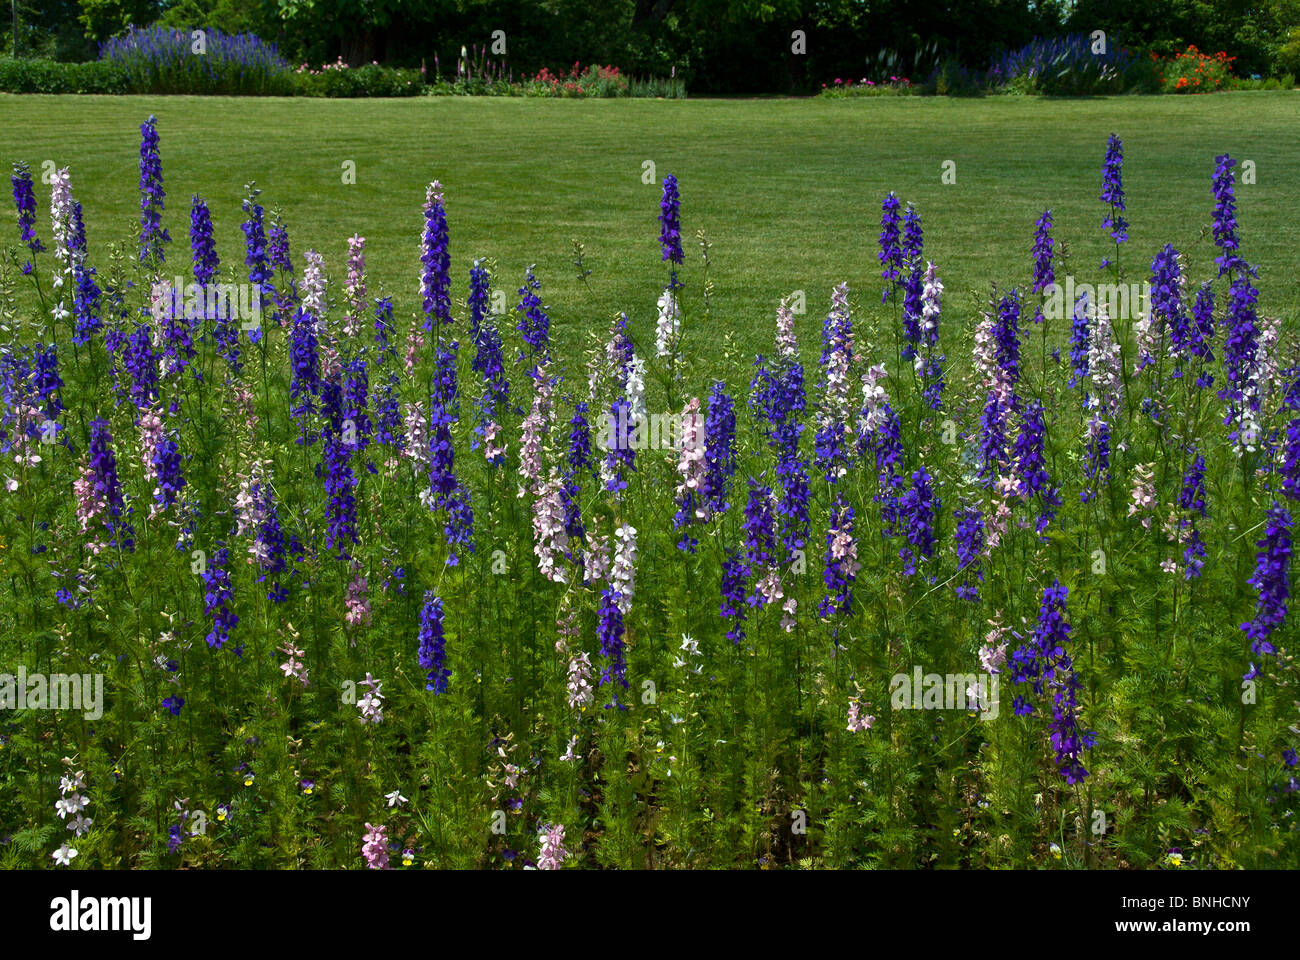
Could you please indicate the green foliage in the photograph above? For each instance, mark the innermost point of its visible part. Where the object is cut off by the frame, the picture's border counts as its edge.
(50, 76)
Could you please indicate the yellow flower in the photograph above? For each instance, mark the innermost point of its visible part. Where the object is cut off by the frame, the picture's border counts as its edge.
(1056, 851)
(248, 780)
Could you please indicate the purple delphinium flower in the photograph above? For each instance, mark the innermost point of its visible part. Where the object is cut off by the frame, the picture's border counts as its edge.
(166, 462)
(218, 598)
(1203, 320)
(1241, 340)
(108, 489)
(1096, 466)
(480, 295)
(1112, 190)
(203, 248)
(270, 544)
(842, 564)
(917, 509)
(1271, 581)
(609, 630)
(173, 706)
(1191, 498)
(285, 296)
(1031, 465)
(1043, 663)
(142, 364)
(1290, 469)
(152, 234)
(891, 254)
(735, 578)
(970, 544)
(25, 201)
(534, 325)
(304, 367)
(719, 449)
(1044, 275)
(356, 396)
(1225, 217)
(670, 228)
(1079, 340)
(435, 283)
(619, 454)
(912, 283)
(760, 529)
(433, 653)
(259, 268)
(1167, 306)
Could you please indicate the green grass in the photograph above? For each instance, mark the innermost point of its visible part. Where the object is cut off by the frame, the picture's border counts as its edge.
(787, 190)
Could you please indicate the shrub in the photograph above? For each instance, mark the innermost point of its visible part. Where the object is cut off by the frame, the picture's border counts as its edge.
(50, 76)
(1194, 72)
(370, 80)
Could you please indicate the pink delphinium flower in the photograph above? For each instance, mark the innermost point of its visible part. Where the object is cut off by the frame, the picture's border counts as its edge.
(534, 431)
(549, 539)
(294, 667)
(858, 722)
(375, 847)
(787, 345)
(357, 602)
(372, 704)
(580, 694)
(552, 853)
(355, 285)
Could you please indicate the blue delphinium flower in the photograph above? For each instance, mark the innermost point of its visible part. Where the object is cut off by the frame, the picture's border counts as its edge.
(152, 234)
(760, 532)
(356, 397)
(103, 467)
(25, 201)
(1031, 465)
(534, 325)
(1225, 217)
(1096, 465)
(436, 277)
(433, 652)
(218, 599)
(258, 263)
(1167, 306)
(917, 509)
(1044, 275)
(609, 631)
(1240, 341)
(912, 282)
(1080, 335)
(271, 547)
(891, 254)
(142, 364)
(1112, 190)
(970, 544)
(304, 372)
(173, 706)
(670, 228)
(1271, 581)
(841, 564)
(735, 578)
(285, 297)
(166, 462)
(1044, 664)
(1191, 498)
(203, 248)
(719, 449)
(480, 295)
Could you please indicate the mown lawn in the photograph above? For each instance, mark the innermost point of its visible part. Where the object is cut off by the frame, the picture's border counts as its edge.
(787, 190)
